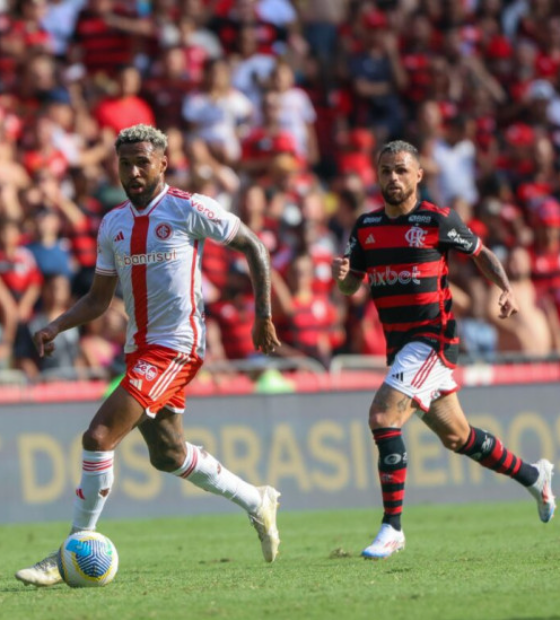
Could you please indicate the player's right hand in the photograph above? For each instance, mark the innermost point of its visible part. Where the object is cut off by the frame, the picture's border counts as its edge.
(43, 340)
(340, 268)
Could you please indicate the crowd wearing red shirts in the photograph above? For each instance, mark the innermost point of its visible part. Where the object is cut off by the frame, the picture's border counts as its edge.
(276, 108)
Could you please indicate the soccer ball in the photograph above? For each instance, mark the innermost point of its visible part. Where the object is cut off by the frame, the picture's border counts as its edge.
(87, 560)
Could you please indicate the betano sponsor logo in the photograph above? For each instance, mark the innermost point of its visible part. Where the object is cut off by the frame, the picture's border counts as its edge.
(126, 260)
(390, 277)
(423, 219)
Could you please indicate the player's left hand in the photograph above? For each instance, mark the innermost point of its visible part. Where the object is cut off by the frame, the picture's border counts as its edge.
(508, 304)
(264, 335)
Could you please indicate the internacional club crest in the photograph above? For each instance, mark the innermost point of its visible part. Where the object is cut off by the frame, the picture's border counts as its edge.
(163, 231)
(415, 237)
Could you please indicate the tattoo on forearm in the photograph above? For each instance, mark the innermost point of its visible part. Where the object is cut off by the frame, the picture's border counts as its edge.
(259, 267)
(492, 268)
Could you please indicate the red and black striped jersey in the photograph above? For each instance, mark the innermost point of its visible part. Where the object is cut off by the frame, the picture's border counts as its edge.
(405, 262)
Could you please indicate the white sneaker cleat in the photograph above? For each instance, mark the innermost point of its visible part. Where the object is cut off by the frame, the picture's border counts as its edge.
(388, 541)
(542, 490)
(44, 573)
(264, 521)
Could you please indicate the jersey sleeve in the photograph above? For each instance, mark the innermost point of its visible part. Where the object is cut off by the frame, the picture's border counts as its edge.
(355, 253)
(455, 234)
(207, 219)
(105, 264)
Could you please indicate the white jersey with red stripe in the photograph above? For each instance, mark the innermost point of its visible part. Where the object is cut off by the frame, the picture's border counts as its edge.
(157, 253)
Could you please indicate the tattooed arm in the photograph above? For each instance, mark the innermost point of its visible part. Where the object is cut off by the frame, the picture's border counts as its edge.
(246, 242)
(490, 266)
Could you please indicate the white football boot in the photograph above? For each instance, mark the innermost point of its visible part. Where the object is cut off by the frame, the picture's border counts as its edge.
(388, 541)
(44, 573)
(542, 490)
(264, 521)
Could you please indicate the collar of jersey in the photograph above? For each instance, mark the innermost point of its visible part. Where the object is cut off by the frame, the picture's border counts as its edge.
(151, 205)
(398, 217)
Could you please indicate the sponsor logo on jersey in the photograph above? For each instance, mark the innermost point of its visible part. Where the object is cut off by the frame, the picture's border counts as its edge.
(370, 240)
(164, 231)
(119, 236)
(455, 236)
(420, 219)
(390, 277)
(125, 260)
(137, 383)
(206, 211)
(144, 369)
(415, 237)
(372, 219)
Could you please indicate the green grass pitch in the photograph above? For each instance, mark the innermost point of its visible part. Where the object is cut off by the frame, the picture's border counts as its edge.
(462, 562)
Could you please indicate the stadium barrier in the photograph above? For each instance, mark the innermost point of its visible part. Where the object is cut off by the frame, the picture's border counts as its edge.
(314, 445)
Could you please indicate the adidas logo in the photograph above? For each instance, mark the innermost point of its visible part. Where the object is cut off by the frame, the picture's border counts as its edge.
(119, 237)
(399, 376)
(137, 383)
(370, 239)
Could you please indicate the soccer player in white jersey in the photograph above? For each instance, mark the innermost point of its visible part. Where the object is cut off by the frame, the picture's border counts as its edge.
(152, 244)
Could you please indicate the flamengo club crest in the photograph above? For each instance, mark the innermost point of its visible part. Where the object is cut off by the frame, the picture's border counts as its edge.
(415, 237)
(164, 231)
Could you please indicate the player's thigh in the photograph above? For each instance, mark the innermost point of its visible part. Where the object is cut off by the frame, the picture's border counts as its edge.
(165, 437)
(390, 408)
(447, 419)
(116, 417)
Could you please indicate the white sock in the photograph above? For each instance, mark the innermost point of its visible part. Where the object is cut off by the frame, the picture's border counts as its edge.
(203, 470)
(95, 486)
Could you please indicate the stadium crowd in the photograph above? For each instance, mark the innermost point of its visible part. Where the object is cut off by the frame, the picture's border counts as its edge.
(276, 109)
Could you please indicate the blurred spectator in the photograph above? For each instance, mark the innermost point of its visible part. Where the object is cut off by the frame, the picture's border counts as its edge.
(356, 155)
(529, 332)
(297, 115)
(167, 85)
(321, 20)
(59, 20)
(8, 325)
(39, 152)
(251, 68)
(545, 253)
(307, 323)
(102, 342)
(377, 77)
(18, 270)
(455, 158)
(230, 16)
(266, 140)
(230, 336)
(217, 113)
(51, 253)
(100, 44)
(66, 359)
(126, 107)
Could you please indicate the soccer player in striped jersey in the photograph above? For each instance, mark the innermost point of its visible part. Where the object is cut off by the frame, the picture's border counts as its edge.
(402, 249)
(152, 244)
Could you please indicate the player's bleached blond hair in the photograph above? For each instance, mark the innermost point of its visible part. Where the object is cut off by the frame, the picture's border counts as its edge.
(142, 133)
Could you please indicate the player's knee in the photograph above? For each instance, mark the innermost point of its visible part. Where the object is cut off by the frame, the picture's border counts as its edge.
(452, 441)
(379, 419)
(98, 440)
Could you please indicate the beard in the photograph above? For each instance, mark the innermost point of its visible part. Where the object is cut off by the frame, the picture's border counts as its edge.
(142, 199)
(397, 199)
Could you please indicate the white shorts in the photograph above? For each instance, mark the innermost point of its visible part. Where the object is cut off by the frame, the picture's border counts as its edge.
(419, 373)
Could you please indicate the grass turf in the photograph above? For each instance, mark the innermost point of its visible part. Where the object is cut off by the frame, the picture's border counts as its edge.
(466, 562)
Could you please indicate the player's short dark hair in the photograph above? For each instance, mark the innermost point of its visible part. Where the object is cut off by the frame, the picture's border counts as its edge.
(142, 133)
(399, 146)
